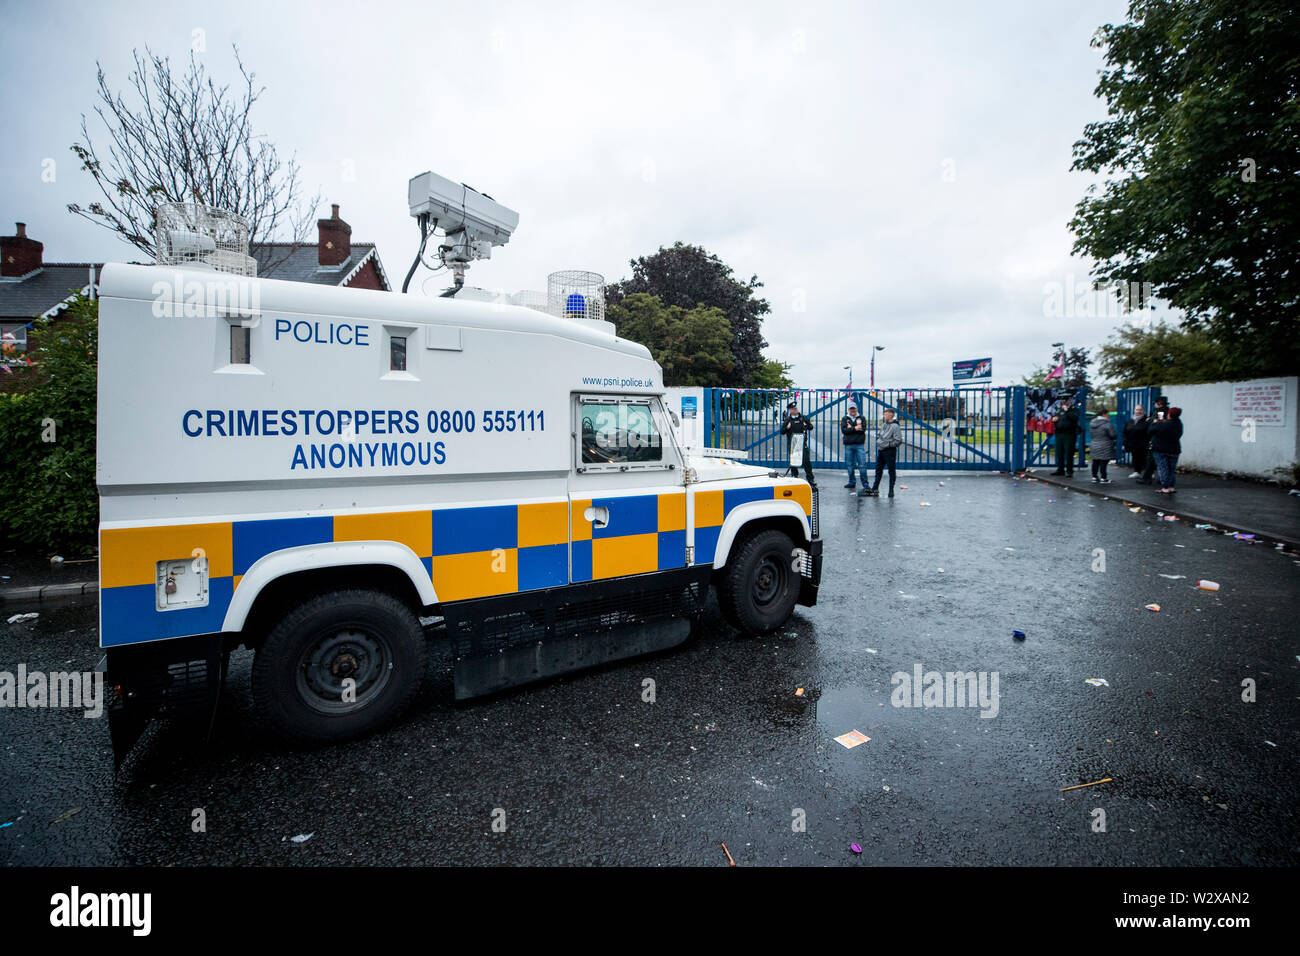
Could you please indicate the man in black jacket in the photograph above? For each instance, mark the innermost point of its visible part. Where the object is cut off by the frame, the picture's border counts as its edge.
(1067, 436)
(793, 423)
(1159, 411)
(854, 429)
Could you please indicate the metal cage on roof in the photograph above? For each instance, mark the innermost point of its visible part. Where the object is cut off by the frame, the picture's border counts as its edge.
(195, 234)
(576, 294)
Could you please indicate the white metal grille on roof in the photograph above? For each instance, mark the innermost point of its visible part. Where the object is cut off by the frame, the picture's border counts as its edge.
(195, 234)
(530, 298)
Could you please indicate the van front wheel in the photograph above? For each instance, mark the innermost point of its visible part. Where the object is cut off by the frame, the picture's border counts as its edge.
(339, 665)
(759, 585)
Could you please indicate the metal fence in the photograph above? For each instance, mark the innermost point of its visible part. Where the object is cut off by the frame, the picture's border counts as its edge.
(944, 429)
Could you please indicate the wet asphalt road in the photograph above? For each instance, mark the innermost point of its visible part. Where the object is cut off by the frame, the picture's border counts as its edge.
(589, 774)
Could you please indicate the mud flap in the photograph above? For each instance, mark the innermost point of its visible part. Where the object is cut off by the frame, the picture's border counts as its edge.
(811, 574)
(507, 641)
(160, 679)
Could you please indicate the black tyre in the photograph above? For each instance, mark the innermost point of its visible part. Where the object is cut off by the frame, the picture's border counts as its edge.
(299, 674)
(759, 586)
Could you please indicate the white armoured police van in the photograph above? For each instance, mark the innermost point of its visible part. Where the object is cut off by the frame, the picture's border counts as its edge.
(309, 471)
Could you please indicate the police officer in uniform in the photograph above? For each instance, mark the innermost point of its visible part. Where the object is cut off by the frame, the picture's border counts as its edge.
(1067, 436)
(793, 423)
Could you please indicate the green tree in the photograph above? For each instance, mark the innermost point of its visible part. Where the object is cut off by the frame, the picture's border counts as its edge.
(689, 276)
(773, 374)
(1163, 355)
(691, 345)
(1203, 131)
(48, 497)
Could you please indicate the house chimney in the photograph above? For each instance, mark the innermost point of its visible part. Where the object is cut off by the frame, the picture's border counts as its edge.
(335, 239)
(19, 255)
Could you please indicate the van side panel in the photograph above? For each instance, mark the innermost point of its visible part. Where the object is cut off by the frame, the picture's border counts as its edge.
(468, 552)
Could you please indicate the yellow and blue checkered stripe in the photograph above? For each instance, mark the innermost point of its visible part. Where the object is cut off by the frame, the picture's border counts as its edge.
(469, 552)
(712, 508)
(645, 533)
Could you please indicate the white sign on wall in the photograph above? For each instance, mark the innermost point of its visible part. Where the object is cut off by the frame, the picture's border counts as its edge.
(1264, 403)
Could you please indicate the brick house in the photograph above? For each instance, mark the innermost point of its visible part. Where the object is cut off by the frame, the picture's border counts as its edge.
(31, 288)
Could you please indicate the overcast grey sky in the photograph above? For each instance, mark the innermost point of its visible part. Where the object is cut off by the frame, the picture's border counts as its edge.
(896, 174)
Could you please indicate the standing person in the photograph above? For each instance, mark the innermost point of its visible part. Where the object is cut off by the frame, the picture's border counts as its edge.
(793, 423)
(1067, 436)
(1135, 440)
(1159, 410)
(1166, 446)
(889, 435)
(854, 429)
(1101, 437)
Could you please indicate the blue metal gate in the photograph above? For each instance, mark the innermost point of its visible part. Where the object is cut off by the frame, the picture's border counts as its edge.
(944, 429)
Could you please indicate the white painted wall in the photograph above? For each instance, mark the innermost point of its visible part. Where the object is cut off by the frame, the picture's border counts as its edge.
(1212, 435)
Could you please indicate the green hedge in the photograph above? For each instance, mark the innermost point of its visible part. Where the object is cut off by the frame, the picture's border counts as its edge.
(48, 498)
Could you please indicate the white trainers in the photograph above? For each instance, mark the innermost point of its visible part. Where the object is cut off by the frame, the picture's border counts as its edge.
(1135, 475)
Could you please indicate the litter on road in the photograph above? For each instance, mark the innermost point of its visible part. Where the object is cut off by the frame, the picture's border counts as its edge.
(303, 837)
(798, 692)
(1079, 786)
(1018, 635)
(1135, 510)
(31, 616)
(1174, 577)
(852, 739)
(1097, 682)
(1208, 585)
(1153, 607)
(66, 815)
(855, 848)
(728, 852)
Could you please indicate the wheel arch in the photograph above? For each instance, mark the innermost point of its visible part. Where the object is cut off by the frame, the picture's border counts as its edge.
(755, 516)
(280, 579)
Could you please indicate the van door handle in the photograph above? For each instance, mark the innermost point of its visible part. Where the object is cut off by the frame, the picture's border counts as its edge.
(599, 517)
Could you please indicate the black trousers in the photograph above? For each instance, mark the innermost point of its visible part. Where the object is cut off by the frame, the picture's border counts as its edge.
(1066, 448)
(1149, 468)
(1099, 467)
(807, 463)
(886, 458)
(1139, 456)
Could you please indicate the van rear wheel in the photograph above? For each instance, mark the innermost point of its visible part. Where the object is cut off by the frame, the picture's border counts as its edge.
(759, 585)
(339, 665)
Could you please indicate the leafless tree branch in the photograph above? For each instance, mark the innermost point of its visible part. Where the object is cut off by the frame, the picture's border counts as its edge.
(187, 139)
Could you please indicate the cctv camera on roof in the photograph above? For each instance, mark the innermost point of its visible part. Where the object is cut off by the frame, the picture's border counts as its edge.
(459, 208)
